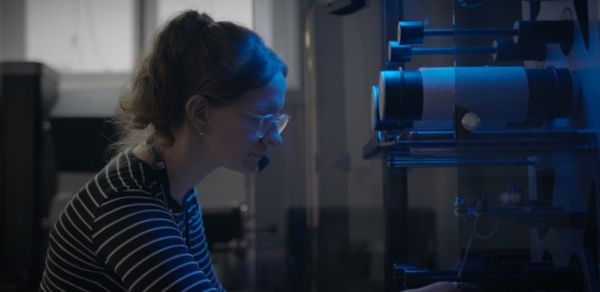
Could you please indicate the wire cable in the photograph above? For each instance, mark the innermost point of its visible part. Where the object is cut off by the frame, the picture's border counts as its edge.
(467, 249)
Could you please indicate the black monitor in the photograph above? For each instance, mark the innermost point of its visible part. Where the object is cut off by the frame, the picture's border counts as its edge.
(27, 171)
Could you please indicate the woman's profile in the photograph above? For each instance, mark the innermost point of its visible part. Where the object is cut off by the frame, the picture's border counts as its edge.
(209, 94)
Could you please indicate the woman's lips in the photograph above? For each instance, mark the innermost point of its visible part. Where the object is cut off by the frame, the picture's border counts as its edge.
(257, 155)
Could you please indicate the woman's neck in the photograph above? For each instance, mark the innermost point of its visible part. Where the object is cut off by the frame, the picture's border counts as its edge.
(185, 166)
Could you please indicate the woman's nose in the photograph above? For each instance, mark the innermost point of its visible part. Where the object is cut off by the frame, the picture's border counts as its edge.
(273, 138)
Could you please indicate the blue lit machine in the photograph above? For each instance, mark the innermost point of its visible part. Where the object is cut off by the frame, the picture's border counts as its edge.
(530, 107)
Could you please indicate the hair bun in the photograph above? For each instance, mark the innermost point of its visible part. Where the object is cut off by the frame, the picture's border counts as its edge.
(193, 20)
(203, 21)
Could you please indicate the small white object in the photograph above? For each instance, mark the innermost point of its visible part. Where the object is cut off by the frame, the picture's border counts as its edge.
(511, 196)
(470, 121)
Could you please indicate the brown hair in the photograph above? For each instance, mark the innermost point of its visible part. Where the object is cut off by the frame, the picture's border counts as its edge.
(192, 54)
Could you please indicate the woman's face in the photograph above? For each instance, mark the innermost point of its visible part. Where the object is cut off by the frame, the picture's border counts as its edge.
(234, 129)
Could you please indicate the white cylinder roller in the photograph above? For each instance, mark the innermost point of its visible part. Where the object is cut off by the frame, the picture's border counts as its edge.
(497, 95)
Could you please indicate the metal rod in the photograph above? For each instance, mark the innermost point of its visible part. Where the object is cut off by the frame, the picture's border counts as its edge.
(452, 51)
(471, 31)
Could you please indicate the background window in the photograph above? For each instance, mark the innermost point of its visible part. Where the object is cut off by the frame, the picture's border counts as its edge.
(238, 11)
(75, 36)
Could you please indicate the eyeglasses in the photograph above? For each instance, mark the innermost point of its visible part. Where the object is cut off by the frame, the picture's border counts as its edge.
(266, 122)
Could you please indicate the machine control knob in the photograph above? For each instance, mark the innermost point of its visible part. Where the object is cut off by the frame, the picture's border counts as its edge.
(399, 53)
(411, 32)
(470, 121)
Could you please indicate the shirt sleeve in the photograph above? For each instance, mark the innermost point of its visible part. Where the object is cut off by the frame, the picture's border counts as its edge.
(137, 237)
(199, 245)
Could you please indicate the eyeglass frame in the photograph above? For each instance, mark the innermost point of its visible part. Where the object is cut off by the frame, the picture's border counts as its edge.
(275, 118)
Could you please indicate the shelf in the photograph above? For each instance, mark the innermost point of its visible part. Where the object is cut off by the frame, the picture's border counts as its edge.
(546, 217)
(500, 147)
(508, 276)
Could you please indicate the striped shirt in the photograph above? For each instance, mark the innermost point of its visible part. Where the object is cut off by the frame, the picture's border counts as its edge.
(122, 232)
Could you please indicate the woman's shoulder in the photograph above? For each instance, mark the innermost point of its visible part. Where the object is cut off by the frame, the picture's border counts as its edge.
(124, 175)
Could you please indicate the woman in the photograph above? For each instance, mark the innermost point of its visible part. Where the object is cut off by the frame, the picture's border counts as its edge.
(209, 94)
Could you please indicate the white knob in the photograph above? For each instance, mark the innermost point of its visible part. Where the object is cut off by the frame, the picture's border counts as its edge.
(470, 121)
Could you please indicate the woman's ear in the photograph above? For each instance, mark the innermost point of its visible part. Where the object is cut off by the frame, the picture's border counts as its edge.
(196, 109)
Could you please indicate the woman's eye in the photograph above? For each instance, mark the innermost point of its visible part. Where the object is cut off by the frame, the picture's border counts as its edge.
(264, 112)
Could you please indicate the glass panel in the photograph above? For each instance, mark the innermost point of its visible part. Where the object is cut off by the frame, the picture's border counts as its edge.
(81, 36)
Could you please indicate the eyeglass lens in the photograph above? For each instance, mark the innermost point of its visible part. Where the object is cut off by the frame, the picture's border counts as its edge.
(275, 121)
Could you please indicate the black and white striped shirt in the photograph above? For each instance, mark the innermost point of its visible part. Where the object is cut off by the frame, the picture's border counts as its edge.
(121, 232)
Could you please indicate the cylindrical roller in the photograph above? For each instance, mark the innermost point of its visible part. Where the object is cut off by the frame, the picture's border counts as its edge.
(375, 108)
(406, 87)
(551, 92)
(498, 95)
(399, 53)
(547, 31)
(538, 31)
(510, 51)
(411, 32)
(502, 51)
(376, 123)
